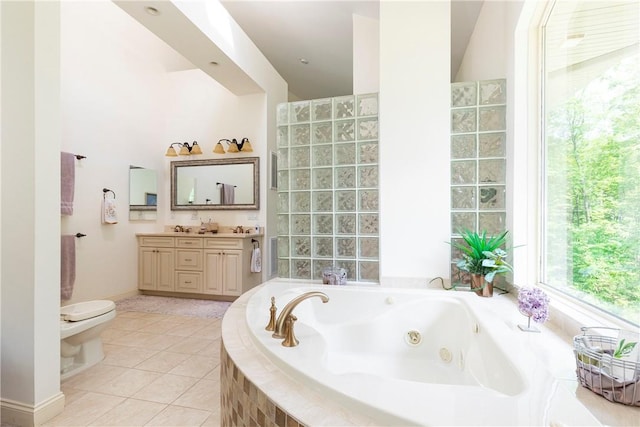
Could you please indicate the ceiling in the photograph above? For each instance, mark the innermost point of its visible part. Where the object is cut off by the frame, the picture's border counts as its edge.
(320, 31)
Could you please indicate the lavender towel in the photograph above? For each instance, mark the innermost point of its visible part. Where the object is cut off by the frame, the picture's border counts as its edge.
(67, 265)
(67, 182)
(227, 194)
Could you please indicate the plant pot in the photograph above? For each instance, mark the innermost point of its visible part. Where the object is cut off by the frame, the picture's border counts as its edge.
(480, 286)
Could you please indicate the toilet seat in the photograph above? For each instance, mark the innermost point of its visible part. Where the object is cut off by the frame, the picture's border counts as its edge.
(86, 310)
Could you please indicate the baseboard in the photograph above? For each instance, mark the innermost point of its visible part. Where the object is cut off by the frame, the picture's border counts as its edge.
(118, 297)
(24, 415)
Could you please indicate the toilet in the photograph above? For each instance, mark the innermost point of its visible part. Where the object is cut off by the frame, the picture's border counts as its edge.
(80, 327)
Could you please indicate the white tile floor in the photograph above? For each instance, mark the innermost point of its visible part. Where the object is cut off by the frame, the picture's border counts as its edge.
(159, 370)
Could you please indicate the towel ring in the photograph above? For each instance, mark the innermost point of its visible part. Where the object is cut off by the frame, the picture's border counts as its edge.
(105, 191)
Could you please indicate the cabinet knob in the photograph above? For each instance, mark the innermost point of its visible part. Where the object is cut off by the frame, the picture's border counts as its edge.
(187, 259)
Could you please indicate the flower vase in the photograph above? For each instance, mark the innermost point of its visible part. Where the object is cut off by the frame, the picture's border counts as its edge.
(480, 286)
(528, 327)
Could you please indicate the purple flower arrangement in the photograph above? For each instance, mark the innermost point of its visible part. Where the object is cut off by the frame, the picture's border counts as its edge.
(534, 303)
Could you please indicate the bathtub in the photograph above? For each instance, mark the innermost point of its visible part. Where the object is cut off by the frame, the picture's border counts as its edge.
(412, 357)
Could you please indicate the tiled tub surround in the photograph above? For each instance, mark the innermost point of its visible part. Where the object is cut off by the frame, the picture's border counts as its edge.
(478, 159)
(312, 403)
(328, 187)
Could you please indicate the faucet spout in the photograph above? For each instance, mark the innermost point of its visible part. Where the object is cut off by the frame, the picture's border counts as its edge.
(280, 329)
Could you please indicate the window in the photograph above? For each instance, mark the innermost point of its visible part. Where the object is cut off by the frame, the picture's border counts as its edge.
(591, 154)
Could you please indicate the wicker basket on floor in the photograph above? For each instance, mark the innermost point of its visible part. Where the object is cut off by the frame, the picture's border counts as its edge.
(614, 379)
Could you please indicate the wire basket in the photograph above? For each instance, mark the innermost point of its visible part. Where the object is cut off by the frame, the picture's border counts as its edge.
(614, 379)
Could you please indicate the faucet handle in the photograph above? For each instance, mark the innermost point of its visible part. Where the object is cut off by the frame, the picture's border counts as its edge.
(289, 337)
(272, 316)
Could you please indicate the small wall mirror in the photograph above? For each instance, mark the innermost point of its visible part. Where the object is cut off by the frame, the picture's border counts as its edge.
(143, 189)
(215, 184)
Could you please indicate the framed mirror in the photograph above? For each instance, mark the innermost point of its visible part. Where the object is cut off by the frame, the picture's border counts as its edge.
(216, 184)
(143, 189)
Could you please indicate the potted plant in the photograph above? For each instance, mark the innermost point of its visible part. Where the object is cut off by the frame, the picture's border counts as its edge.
(483, 257)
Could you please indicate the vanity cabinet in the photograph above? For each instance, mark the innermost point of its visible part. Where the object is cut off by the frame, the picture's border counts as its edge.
(156, 264)
(215, 267)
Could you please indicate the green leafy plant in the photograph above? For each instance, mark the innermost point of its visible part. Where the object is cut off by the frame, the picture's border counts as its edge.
(482, 254)
(623, 349)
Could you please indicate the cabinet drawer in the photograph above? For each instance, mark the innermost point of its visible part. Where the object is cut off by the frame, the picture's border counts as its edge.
(188, 242)
(187, 281)
(158, 242)
(223, 243)
(188, 259)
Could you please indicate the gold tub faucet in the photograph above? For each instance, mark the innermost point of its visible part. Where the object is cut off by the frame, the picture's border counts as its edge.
(284, 328)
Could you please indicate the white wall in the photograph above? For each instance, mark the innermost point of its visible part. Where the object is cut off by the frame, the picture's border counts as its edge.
(366, 55)
(414, 139)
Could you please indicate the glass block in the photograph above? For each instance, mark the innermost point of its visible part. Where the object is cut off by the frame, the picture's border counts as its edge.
(300, 179)
(283, 247)
(282, 112)
(346, 247)
(493, 222)
(283, 268)
(299, 157)
(301, 246)
(462, 220)
(369, 247)
(492, 144)
(323, 224)
(283, 202)
(301, 269)
(301, 201)
(463, 197)
(349, 266)
(368, 104)
(368, 200)
(323, 247)
(492, 118)
(345, 130)
(283, 136)
(493, 197)
(322, 178)
(283, 158)
(493, 92)
(369, 271)
(456, 254)
(345, 177)
(322, 155)
(368, 152)
(322, 201)
(463, 120)
(368, 223)
(368, 176)
(346, 201)
(300, 224)
(459, 277)
(283, 225)
(368, 129)
(492, 171)
(321, 109)
(283, 180)
(299, 111)
(464, 94)
(463, 172)
(463, 146)
(319, 265)
(345, 224)
(322, 133)
(345, 154)
(343, 107)
(300, 135)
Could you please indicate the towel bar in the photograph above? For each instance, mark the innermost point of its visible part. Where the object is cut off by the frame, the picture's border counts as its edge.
(105, 191)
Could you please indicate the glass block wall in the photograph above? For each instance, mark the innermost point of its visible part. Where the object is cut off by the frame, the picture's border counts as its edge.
(478, 159)
(328, 187)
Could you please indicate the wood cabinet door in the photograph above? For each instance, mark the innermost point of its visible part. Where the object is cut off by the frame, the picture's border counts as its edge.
(232, 273)
(164, 269)
(147, 268)
(213, 272)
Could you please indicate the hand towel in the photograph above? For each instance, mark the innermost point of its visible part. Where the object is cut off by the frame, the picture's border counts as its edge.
(256, 261)
(227, 194)
(67, 182)
(109, 214)
(67, 266)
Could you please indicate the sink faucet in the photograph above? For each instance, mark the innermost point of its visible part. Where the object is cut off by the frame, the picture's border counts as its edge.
(281, 330)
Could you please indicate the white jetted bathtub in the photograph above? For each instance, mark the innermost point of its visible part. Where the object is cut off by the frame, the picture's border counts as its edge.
(413, 357)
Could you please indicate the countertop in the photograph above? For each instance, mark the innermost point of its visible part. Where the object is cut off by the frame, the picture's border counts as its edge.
(205, 235)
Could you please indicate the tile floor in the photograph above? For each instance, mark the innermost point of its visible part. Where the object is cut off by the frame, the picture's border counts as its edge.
(159, 370)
